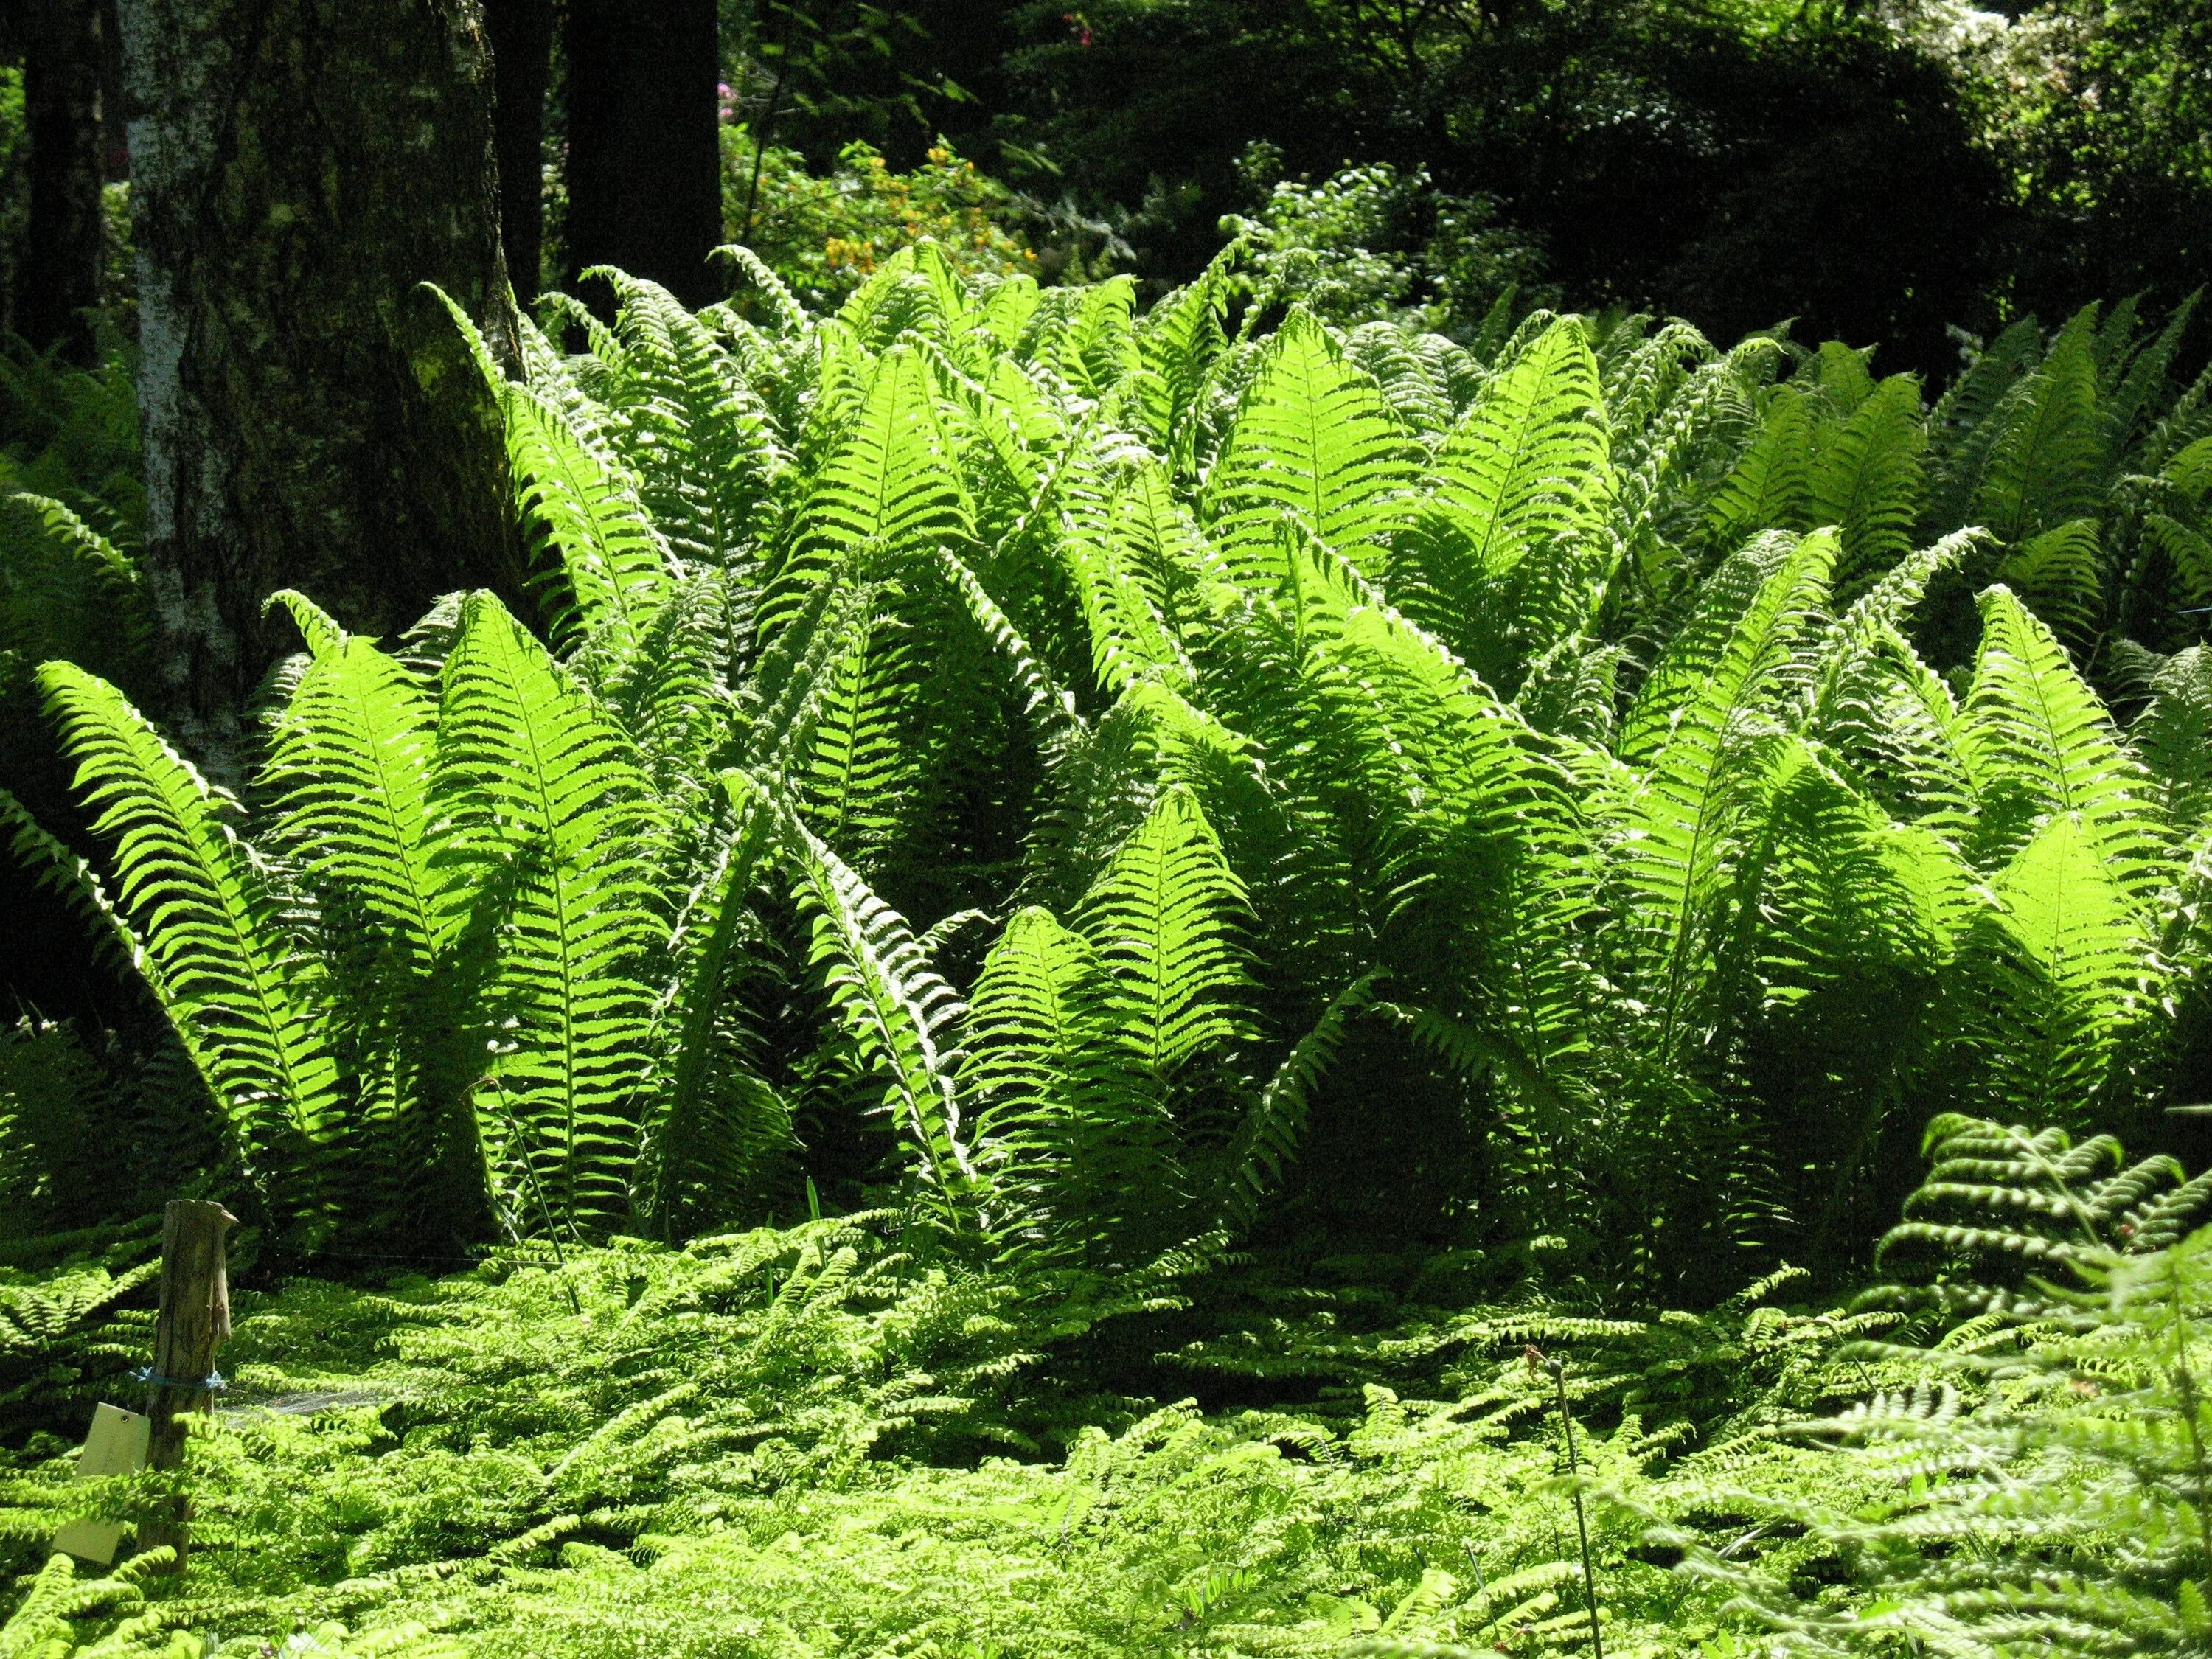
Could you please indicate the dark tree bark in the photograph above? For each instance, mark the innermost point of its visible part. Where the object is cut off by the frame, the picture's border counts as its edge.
(310, 418)
(521, 60)
(114, 130)
(644, 141)
(62, 234)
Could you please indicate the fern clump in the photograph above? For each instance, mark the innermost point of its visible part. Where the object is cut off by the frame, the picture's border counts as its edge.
(996, 753)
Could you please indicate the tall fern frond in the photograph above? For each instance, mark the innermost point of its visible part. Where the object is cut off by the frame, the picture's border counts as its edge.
(232, 981)
(1866, 479)
(706, 447)
(605, 553)
(1023, 1069)
(904, 1018)
(1528, 471)
(1693, 733)
(544, 801)
(1771, 485)
(2058, 575)
(2173, 738)
(1267, 1139)
(2047, 465)
(711, 1122)
(1162, 918)
(2041, 743)
(1312, 437)
(351, 768)
(891, 482)
(2078, 969)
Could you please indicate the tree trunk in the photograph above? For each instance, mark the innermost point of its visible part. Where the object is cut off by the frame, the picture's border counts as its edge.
(310, 419)
(521, 58)
(645, 188)
(62, 234)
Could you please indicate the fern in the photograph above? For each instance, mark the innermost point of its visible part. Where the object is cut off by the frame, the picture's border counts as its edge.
(546, 809)
(230, 977)
(1312, 437)
(900, 1014)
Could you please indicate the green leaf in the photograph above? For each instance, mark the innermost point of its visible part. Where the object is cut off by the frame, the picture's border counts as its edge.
(613, 562)
(547, 810)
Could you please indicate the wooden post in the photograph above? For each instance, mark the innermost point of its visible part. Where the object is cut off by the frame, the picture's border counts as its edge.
(194, 1321)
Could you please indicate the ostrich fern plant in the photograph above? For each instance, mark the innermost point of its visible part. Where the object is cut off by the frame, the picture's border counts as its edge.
(1591, 730)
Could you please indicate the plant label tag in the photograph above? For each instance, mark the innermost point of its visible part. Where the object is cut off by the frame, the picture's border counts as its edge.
(116, 1445)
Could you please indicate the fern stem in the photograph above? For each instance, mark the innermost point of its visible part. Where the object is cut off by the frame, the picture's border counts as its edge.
(1558, 1371)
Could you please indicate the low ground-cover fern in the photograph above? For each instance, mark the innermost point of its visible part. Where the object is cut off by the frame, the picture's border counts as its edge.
(797, 1444)
(2040, 1482)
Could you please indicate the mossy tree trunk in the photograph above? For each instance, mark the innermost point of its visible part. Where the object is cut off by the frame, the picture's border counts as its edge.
(310, 419)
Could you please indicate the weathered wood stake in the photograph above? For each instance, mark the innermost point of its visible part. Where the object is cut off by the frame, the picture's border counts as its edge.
(194, 1321)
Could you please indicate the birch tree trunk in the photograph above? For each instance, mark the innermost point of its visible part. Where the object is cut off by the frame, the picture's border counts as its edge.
(297, 168)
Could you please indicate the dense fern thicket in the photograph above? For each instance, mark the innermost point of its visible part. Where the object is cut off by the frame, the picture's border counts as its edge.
(1332, 869)
(1040, 767)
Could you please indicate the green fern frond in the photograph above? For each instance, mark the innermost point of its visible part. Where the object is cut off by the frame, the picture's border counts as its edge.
(2058, 575)
(892, 482)
(545, 807)
(2047, 465)
(706, 448)
(1770, 486)
(711, 1122)
(1865, 478)
(790, 316)
(1162, 919)
(1022, 1069)
(607, 554)
(1312, 437)
(1268, 1139)
(1694, 731)
(232, 981)
(2173, 738)
(1528, 467)
(903, 1017)
(350, 766)
(2040, 743)
(2079, 970)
